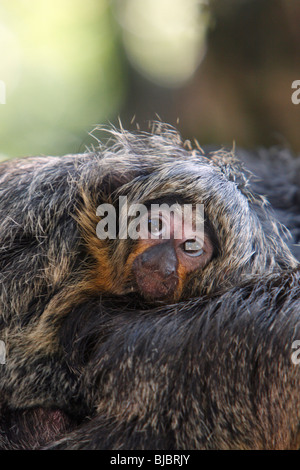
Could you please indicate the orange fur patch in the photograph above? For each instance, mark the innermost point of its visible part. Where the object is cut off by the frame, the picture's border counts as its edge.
(142, 246)
(182, 273)
(101, 277)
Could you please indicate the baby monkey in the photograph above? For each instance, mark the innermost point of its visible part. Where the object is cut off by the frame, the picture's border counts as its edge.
(164, 255)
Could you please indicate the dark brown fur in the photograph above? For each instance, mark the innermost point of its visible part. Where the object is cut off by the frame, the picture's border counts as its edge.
(85, 354)
(205, 374)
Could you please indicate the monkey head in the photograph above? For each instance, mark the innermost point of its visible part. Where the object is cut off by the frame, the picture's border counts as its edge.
(239, 239)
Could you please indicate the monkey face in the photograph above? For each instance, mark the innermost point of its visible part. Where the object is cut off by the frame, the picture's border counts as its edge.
(166, 253)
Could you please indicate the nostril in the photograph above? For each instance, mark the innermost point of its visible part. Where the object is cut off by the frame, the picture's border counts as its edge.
(169, 269)
(160, 259)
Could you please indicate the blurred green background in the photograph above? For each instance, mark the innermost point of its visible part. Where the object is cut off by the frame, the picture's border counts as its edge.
(220, 70)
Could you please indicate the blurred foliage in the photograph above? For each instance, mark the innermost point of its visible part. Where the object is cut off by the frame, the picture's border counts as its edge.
(223, 69)
(63, 70)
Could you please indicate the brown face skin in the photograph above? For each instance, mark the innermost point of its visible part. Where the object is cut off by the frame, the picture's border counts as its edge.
(162, 264)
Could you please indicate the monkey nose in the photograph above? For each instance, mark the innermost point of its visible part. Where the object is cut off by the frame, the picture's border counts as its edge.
(160, 259)
(155, 272)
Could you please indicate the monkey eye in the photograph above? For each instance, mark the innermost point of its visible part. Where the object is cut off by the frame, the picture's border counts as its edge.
(155, 226)
(193, 248)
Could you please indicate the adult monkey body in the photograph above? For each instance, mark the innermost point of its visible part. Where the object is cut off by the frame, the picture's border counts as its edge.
(212, 374)
(62, 286)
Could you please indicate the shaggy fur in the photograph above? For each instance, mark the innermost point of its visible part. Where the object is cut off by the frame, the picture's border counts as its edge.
(69, 324)
(203, 374)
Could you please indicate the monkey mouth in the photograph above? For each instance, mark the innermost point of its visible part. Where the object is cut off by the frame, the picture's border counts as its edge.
(154, 287)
